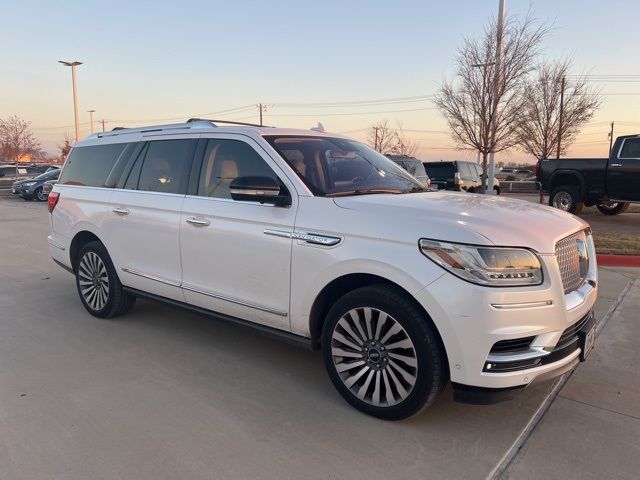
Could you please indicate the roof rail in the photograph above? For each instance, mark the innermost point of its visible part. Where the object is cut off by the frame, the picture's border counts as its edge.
(114, 129)
(230, 122)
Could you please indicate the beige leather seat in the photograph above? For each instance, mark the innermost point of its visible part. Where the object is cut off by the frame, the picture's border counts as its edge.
(227, 173)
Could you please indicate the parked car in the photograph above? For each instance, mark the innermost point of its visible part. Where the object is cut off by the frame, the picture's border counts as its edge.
(413, 166)
(608, 183)
(322, 241)
(31, 188)
(457, 175)
(514, 174)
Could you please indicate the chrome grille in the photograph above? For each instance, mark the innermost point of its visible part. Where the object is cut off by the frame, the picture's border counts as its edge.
(568, 255)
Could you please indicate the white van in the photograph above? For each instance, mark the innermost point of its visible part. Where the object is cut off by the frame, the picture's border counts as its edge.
(321, 240)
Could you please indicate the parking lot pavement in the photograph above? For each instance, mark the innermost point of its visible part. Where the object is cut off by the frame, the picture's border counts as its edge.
(160, 393)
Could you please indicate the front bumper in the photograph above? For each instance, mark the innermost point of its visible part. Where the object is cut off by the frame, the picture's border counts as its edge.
(472, 320)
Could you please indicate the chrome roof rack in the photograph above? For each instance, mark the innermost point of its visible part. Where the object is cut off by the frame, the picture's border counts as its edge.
(230, 122)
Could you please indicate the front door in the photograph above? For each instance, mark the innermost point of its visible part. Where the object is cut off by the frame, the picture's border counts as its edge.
(624, 171)
(236, 255)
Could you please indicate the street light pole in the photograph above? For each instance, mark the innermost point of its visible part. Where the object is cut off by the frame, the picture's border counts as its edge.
(73, 66)
(496, 91)
(484, 80)
(91, 118)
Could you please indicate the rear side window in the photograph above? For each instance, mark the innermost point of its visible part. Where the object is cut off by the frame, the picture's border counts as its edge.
(440, 171)
(631, 148)
(90, 166)
(415, 168)
(166, 166)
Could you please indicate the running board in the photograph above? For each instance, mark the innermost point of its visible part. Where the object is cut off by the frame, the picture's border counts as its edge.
(292, 338)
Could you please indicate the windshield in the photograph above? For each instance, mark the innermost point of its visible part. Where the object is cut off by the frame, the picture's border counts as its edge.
(440, 171)
(335, 166)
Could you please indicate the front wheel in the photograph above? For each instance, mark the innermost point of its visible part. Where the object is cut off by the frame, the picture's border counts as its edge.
(566, 198)
(613, 208)
(381, 353)
(98, 284)
(39, 195)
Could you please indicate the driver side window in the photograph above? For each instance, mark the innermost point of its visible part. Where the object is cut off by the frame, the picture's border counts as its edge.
(224, 161)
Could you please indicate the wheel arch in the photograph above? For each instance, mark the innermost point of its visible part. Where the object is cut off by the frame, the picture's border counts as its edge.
(79, 240)
(344, 284)
(567, 177)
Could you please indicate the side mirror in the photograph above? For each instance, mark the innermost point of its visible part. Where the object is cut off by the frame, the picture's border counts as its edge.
(259, 189)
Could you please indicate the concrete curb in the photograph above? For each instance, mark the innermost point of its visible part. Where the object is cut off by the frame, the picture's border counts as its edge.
(618, 260)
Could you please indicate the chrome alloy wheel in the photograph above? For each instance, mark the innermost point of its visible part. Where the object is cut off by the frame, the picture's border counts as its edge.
(563, 201)
(374, 356)
(93, 280)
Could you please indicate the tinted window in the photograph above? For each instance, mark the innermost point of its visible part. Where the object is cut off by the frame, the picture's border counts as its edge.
(415, 167)
(53, 174)
(631, 148)
(165, 166)
(225, 160)
(90, 166)
(333, 166)
(440, 171)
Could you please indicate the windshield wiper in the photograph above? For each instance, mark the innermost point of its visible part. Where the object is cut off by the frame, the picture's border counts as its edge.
(365, 191)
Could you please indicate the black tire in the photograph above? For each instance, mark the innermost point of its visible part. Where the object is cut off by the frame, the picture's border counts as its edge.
(95, 273)
(567, 198)
(429, 376)
(497, 189)
(613, 208)
(38, 195)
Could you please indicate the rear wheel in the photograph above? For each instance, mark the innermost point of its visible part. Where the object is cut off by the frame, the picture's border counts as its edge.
(566, 198)
(98, 284)
(382, 355)
(613, 208)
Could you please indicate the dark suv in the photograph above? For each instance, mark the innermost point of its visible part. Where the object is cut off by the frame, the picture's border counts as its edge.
(457, 175)
(31, 188)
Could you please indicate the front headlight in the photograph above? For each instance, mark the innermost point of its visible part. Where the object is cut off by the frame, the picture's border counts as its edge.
(482, 265)
(28, 184)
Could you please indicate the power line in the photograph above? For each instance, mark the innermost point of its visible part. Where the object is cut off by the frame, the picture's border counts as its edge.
(347, 113)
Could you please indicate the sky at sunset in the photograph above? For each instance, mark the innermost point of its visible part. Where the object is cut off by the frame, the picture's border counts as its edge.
(346, 64)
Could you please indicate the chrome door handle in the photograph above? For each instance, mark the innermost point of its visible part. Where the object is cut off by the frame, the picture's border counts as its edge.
(616, 164)
(121, 211)
(198, 222)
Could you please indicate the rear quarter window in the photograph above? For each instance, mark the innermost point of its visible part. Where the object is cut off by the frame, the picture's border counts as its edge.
(90, 166)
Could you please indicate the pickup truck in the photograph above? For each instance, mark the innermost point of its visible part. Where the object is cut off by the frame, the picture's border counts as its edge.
(608, 183)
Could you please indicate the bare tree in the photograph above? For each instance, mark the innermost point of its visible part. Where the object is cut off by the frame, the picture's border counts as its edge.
(403, 145)
(381, 137)
(65, 147)
(539, 120)
(17, 140)
(468, 103)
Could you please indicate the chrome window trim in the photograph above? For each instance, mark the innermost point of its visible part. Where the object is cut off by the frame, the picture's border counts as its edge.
(237, 301)
(619, 156)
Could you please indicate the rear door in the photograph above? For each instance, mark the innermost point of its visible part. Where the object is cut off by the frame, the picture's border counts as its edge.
(144, 217)
(236, 255)
(623, 173)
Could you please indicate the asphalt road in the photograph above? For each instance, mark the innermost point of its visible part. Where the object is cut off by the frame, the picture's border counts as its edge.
(164, 394)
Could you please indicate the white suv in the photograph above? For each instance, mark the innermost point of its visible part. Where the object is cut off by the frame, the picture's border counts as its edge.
(321, 240)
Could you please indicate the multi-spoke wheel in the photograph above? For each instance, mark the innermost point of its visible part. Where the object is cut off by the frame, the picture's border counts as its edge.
(382, 353)
(98, 285)
(374, 356)
(93, 280)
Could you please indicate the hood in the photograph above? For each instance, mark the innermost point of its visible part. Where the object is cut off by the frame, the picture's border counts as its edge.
(469, 218)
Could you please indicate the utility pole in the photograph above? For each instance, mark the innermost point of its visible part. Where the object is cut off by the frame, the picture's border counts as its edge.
(91, 118)
(102, 121)
(73, 66)
(261, 108)
(611, 138)
(561, 117)
(484, 80)
(375, 129)
(496, 97)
